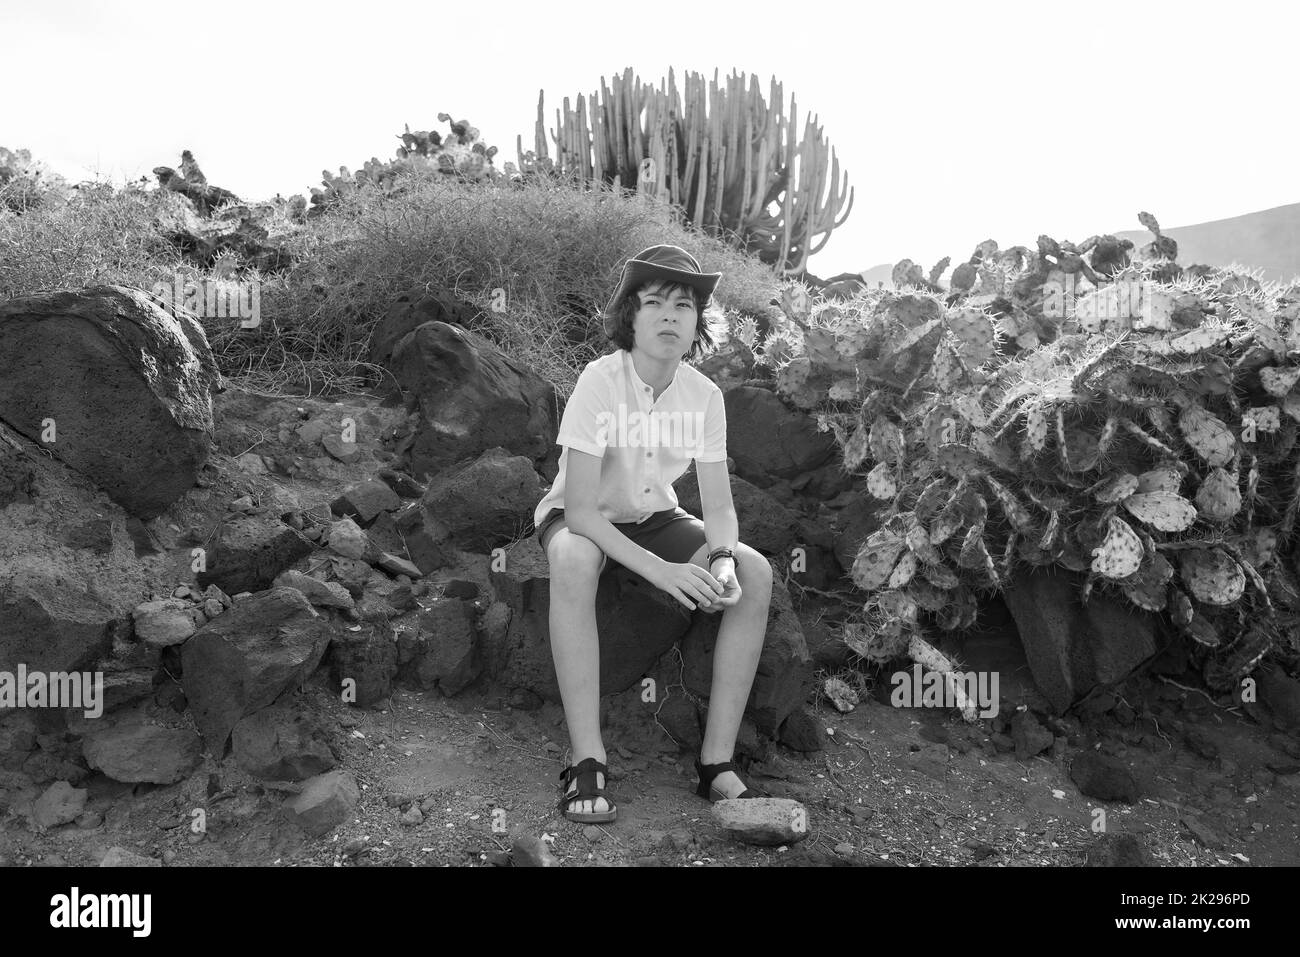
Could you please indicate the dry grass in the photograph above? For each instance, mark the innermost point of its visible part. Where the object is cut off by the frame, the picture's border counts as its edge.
(551, 252)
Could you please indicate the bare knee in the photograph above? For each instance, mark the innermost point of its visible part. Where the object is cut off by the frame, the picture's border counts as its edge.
(575, 561)
(755, 574)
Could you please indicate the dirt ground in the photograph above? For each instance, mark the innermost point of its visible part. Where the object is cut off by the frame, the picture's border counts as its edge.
(895, 786)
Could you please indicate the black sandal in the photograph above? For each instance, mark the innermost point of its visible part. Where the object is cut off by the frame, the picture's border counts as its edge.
(585, 772)
(708, 772)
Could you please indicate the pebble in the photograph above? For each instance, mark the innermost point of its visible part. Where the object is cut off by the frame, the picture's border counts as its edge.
(593, 833)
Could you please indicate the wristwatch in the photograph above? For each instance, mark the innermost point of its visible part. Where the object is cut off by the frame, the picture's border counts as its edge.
(723, 552)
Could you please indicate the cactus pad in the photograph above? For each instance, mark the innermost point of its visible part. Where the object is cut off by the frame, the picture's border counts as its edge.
(1120, 553)
(1163, 511)
(876, 559)
(1212, 576)
(1207, 435)
(1116, 489)
(1219, 497)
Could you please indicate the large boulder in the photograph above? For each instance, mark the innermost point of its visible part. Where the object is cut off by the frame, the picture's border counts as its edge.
(368, 659)
(447, 653)
(245, 659)
(770, 441)
(413, 309)
(127, 385)
(281, 744)
(635, 621)
(137, 751)
(483, 503)
(772, 528)
(50, 619)
(765, 524)
(472, 397)
(249, 553)
(784, 678)
(1071, 647)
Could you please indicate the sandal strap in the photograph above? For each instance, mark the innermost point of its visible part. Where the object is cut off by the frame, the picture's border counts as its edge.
(582, 767)
(710, 771)
(584, 772)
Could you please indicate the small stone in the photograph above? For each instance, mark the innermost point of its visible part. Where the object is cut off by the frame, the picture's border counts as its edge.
(160, 624)
(242, 504)
(845, 849)
(354, 847)
(121, 857)
(366, 501)
(529, 851)
(397, 566)
(459, 588)
(212, 591)
(593, 833)
(1201, 832)
(168, 856)
(412, 816)
(325, 801)
(345, 452)
(347, 539)
(88, 820)
(1104, 777)
(212, 607)
(763, 821)
(59, 804)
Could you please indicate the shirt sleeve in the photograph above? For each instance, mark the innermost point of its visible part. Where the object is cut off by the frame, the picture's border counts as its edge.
(713, 444)
(585, 423)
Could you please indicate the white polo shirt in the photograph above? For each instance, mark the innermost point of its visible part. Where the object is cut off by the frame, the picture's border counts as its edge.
(645, 445)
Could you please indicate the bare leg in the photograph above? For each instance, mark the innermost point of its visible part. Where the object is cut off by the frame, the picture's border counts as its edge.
(575, 564)
(735, 660)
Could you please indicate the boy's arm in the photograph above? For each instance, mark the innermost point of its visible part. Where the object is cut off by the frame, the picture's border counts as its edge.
(582, 488)
(720, 525)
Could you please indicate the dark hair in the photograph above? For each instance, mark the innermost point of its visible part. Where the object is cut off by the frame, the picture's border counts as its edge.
(706, 313)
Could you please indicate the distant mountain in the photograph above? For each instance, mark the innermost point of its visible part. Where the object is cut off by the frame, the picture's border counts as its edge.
(1269, 239)
(883, 272)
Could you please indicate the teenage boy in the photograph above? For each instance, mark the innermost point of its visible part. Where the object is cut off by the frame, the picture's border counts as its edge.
(636, 419)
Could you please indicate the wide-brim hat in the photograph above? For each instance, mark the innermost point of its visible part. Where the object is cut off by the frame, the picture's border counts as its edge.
(660, 262)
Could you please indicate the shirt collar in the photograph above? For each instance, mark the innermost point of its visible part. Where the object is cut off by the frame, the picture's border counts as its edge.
(638, 382)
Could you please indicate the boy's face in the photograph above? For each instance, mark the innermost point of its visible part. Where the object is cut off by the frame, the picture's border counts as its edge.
(665, 324)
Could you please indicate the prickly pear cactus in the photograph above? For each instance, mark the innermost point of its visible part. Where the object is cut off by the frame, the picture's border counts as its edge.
(1143, 431)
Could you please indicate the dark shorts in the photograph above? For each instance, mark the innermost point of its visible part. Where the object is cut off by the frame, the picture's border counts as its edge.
(674, 534)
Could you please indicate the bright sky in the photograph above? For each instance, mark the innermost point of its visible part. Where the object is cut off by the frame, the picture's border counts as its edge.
(956, 122)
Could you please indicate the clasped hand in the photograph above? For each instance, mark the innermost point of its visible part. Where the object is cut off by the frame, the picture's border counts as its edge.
(695, 587)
